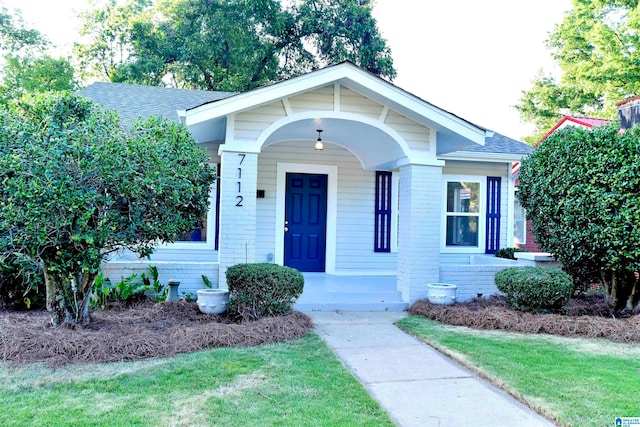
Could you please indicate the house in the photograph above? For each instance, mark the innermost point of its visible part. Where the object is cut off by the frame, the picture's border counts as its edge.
(523, 235)
(341, 175)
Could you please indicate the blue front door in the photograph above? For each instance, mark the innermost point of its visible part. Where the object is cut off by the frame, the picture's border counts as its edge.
(305, 215)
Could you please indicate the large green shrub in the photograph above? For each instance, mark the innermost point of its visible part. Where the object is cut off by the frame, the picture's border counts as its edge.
(75, 187)
(259, 290)
(534, 288)
(581, 190)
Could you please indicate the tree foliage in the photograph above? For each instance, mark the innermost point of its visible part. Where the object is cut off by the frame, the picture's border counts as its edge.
(231, 45)
(27, 67)
(14, 35)
(597, 47)
(76, 187)
(581, 190)
(37, 74)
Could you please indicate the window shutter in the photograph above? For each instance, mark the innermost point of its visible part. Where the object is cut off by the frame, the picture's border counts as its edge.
(383, 212)
(493, 214)
(217, 230)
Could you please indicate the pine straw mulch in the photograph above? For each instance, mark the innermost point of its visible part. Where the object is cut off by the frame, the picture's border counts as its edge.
(135, 332)
(586, 316)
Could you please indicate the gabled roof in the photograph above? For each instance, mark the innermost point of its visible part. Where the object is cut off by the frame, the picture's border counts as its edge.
(132, 100)
(576, 121)
(449, 126)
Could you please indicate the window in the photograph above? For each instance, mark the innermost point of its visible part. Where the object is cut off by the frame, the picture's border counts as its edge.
(205, 233)
(462, 217)
(519, 224)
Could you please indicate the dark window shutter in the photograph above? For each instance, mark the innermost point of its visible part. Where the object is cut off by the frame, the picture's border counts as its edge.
(383, 212)
(217, 230)
(493, 214)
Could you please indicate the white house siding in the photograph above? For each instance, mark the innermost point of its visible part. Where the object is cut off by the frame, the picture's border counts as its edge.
(471, 279)
(482, 169)
(416, 135)
(353, 102)
(187, 266)
(249, 125)
(355, 205)
(321, 99)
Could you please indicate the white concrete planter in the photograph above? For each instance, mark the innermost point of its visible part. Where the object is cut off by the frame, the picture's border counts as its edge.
(441, 293)
(213, 301)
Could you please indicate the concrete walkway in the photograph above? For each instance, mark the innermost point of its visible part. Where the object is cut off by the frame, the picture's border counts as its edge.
(414, 383)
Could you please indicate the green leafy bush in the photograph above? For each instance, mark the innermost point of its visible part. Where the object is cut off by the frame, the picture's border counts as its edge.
(508, 253)
(581, 190)
(76, 187)
(259, 290)
(21, 283)
(534, 288)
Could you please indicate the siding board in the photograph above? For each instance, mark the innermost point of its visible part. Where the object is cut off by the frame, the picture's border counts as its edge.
(355, 208)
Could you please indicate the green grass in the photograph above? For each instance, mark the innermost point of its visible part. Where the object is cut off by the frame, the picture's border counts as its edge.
(290, 384)
(577, 382)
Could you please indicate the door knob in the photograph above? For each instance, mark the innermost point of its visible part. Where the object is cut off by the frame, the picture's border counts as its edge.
(286, 222)
(286, 229)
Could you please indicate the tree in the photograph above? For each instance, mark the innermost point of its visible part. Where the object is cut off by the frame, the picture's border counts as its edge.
(77, 187)
(14, 35)
(597, 48)
(27, 67)
(29, 74)
(231, 45)
(581, 190)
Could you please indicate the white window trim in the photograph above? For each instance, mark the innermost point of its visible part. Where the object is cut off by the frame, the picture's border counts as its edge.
(211, 225)
(524, 223)
(332, 208)
(482, 215)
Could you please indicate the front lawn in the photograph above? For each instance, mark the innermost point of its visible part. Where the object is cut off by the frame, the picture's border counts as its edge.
(296, 383)
(578, 382)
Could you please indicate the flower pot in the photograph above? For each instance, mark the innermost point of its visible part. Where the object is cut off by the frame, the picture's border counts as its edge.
(213, 301)
(441, 293)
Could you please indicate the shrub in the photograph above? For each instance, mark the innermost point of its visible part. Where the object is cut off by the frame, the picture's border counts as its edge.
(508, 253)
(534, 288)
(21, 283)
(259, 290)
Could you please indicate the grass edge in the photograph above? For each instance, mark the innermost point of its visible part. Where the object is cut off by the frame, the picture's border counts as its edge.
(476, 370)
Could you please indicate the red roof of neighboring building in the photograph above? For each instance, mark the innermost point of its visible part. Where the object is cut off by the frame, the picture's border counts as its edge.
(626, 101)
(588, 122)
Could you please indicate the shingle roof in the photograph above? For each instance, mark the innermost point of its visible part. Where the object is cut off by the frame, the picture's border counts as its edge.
(132, 100)
(499, 143)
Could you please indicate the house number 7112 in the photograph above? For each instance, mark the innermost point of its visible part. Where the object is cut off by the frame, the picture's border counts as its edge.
(239, 197)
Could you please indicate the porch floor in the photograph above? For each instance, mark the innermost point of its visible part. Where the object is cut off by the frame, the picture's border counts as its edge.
(326, 292)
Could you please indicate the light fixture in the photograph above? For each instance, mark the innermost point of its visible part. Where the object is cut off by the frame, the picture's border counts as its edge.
(319, 145)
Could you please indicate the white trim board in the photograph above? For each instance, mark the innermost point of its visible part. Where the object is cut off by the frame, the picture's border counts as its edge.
(332, 208)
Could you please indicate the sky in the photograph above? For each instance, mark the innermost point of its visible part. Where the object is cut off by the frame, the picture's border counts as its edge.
(472, 58)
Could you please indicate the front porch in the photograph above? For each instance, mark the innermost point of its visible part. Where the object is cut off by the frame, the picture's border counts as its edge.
(328, 292)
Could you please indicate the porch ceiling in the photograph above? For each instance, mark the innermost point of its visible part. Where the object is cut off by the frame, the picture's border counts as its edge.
(374, 148)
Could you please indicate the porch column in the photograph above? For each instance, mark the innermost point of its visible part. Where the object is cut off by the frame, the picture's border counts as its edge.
(420, 208)
(238, 185)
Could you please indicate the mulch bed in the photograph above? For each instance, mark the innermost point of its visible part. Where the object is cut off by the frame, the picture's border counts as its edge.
(141, 331)
(586, 316)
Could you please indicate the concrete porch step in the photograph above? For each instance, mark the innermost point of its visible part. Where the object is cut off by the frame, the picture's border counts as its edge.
(324, 292)
(353, 306)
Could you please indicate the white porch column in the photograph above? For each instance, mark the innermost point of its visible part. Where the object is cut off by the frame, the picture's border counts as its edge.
(238, 185)
(420, 208)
